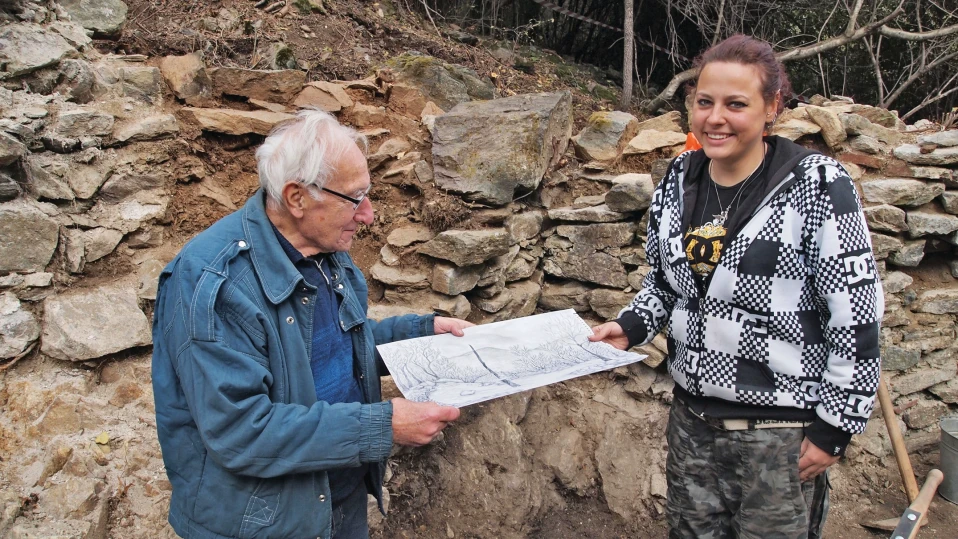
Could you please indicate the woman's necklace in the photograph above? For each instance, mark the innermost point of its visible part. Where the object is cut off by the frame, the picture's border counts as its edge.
(719, 219)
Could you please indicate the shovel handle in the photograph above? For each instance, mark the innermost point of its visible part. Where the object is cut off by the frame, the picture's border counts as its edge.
(909, 523)
(897, 442)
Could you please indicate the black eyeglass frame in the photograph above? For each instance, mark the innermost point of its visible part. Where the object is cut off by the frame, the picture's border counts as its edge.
(354, 201)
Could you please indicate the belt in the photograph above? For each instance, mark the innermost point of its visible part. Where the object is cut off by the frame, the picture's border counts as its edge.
(748, 424)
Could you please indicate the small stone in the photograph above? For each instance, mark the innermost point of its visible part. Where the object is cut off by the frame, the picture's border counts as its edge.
(647, 141)
(405, 236)
(938, 302)
(909, 255)
(595, 214)
(925, 224)
(886, 218)
(394, 276)
(452, 280)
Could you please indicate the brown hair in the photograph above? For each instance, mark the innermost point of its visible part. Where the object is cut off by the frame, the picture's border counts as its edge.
(745, 50)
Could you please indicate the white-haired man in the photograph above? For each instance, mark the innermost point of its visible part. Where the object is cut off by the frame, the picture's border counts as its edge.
(264, 368)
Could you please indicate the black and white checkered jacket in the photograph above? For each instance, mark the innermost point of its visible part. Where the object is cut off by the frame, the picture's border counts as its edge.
(792, 313)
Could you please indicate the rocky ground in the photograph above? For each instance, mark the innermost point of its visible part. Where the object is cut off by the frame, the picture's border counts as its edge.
(116, 150)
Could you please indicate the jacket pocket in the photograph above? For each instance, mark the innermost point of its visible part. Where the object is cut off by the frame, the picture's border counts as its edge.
(261, 508)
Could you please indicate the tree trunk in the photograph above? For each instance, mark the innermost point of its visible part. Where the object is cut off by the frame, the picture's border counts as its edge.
(628, 28)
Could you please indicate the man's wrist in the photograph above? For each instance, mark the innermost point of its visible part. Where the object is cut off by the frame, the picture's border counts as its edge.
(827, 437)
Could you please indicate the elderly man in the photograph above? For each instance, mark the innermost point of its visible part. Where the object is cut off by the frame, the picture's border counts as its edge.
(264, 369)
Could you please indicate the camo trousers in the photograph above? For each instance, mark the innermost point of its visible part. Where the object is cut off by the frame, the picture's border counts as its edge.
(725, 484)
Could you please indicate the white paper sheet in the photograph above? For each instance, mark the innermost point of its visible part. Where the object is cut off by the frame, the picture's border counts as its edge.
(499, 359)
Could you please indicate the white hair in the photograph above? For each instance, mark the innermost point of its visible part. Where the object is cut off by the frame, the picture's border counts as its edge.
(305, 150)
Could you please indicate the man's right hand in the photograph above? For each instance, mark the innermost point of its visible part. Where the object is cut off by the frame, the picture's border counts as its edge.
(417, 423)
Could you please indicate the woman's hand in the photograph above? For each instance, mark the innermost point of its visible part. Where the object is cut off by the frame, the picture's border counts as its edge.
(610, 333)
(813, 461)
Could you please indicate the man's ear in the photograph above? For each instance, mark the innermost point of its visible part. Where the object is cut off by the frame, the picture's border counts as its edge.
(293, 196)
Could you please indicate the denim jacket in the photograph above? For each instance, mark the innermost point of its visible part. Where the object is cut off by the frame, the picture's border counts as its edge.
(244, 440)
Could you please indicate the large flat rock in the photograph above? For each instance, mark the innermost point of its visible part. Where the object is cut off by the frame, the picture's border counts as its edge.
(940, 157)
(28, 237)
(28, 47)
(490, 151)
(606, 134)
(74, 323)
(901, 191)
(276, 86)
(467, 247)
(105, 17)
(237, 122)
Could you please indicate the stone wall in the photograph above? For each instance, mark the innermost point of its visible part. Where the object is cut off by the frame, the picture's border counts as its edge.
(94, 149)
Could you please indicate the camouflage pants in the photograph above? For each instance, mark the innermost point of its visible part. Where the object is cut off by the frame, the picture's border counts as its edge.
(725, 484)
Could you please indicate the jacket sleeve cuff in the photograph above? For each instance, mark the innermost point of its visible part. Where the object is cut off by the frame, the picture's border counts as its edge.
(634, 328)
(376, 431)
(427, 325)
(828, 438)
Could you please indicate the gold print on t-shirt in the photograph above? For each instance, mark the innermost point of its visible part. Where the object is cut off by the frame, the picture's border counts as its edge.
(703, 247)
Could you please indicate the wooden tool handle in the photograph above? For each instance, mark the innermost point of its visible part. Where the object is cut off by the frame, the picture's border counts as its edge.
(909, 524)
(897, 442)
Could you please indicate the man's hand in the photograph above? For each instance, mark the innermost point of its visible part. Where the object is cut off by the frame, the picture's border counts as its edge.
(441, 324)
(610, 333)
(417, 423)
(812, 461)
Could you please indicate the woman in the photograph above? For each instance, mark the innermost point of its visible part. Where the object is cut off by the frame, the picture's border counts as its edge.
(763, 271)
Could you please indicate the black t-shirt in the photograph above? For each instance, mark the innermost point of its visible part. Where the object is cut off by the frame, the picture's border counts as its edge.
(708, 233)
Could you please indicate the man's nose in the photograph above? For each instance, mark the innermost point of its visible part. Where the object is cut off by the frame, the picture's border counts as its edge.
(364, 213)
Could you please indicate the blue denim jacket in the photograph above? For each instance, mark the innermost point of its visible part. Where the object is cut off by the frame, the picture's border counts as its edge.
(244, 440)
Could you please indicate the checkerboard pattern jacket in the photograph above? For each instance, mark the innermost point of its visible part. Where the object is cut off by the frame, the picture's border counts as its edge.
(792, 314)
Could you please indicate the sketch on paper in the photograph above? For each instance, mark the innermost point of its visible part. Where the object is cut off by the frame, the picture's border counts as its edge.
(499, 359)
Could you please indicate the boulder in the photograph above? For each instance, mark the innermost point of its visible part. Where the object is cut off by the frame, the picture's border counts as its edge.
(275, 86)
(73, 324)
(647, 141)
(28, 237)
(488, 151)
(670, 121)
(597, 237)
(920, 380)
(186, 75)
(76, 81)
(886, 218)
(362, 115)
(896, 358)
(949, 201)
(630, 192)
(467, 247)
(405, 236)
(328, 96)
(429, 301)
(565, 295)
(394, 276)
(832, 129)
(795, 128)
(866, 144)
(940, 157)
(600, 268)
(142, 83)
(856, 125)
(105, 17)
(25, 48)
(18, 326)
(407, 100)
(909, 255)
(11, 149)
(605, 135)
(901, 191)
(75, 34)
(925, 224)
(236, 122)
(453, 280)
(607, 303)
(446, 85)
(524, 225)
(149, 128)
(938, 302)
(945, 139)
(883, 245)
(80, 122)
(99, 242)
(595, 214)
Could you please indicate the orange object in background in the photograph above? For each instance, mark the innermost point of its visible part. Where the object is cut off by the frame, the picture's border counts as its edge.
(691, 143)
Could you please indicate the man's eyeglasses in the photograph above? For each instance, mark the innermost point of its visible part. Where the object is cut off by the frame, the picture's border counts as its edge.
(354, 201)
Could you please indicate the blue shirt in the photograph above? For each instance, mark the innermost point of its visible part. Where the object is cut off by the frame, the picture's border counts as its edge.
(331, 354)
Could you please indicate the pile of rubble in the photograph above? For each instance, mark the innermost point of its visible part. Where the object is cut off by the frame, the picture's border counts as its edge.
(94, 148)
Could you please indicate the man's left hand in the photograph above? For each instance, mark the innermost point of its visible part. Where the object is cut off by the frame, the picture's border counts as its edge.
(441, 324)
(812, 461)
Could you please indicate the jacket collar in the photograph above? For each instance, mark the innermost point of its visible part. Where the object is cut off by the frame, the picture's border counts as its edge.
(277, 274)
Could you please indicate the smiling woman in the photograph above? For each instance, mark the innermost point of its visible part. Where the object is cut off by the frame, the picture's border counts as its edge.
(762, 267)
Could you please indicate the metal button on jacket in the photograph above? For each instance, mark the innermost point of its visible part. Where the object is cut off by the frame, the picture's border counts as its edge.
(289, 320)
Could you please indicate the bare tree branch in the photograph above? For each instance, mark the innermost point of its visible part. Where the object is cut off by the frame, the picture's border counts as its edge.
(918, 36)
